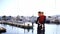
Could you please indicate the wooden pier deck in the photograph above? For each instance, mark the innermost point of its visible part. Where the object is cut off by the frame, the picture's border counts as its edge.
(28, 26)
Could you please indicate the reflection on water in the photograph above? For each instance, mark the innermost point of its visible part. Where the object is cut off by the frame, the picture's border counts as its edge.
(17, 30)
(49, 29)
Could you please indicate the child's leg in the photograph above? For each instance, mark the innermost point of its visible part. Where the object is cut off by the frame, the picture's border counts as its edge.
(40, 24)
(42, 27)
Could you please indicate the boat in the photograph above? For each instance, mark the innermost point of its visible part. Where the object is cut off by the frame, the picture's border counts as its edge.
(2, 30)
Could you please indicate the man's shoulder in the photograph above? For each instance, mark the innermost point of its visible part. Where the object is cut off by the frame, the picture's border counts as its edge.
(44, 16)
(38, 17)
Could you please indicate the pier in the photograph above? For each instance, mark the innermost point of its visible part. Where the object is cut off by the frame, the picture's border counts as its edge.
(27, 26)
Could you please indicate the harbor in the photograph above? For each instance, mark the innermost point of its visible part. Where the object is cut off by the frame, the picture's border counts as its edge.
(29, 17)
(49, 29)
(17, 30)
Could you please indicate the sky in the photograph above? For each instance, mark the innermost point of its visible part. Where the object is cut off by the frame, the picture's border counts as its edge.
(29, 7)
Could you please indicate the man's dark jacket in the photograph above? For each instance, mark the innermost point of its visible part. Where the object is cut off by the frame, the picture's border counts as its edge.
(43, 21)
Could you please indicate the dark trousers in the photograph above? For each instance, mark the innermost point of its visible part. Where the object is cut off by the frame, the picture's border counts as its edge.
(39, 31)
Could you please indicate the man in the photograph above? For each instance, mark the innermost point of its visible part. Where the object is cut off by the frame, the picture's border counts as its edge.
(41, 19)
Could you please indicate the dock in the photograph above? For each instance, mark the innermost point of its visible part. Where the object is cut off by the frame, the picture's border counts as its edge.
(27, 26)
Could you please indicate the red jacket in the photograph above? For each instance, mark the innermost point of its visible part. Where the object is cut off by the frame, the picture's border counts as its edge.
(42, 19)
